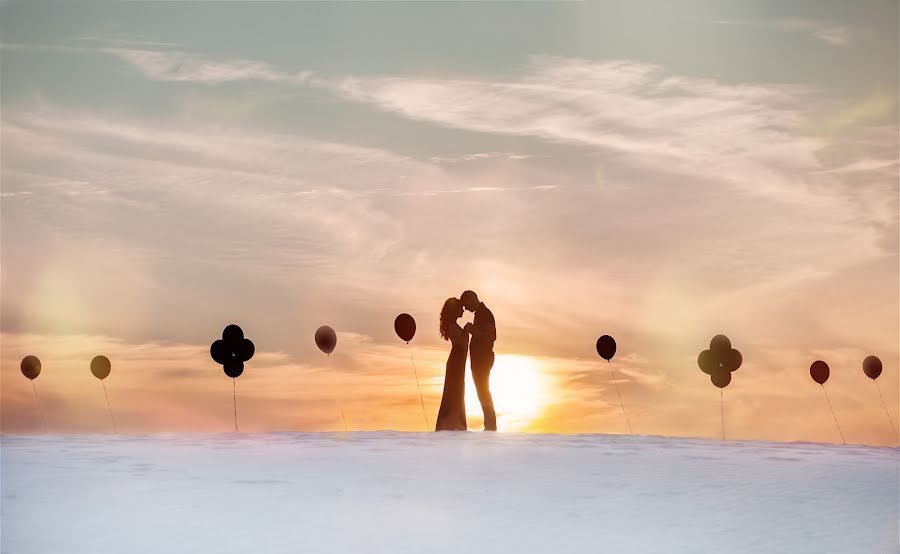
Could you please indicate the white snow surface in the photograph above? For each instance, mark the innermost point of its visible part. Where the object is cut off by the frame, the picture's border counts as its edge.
(442, 492)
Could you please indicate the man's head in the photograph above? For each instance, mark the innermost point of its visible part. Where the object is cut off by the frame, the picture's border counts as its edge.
(470, 300)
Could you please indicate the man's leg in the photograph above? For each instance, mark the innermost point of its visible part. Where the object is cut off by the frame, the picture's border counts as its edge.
(481, 375)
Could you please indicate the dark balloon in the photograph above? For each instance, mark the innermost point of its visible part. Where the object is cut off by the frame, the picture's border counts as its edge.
(31, 367)
(720, 378)
(100, 367)
(233, 335)
(405, 327)
(245, 350)
(606, 347)
(871, 366)
(707, 362)
(220, 352)
(326, 339)
(819, 371)
(732, 360)
(233, 369)
(720, 345)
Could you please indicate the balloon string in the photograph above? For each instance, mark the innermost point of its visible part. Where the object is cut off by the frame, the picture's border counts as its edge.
(834, 416)
(337, 398)
(722, 407)
(416, 373)
(234, 401)
(616, 383)
(40, 408)
(341, 407)
(111, 418)
(882, 404)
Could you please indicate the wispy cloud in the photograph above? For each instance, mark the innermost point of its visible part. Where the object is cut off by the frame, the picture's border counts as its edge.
(831, 33)
(480, 156)
(178, 66)
(752, 136)
(748, 136)
(128, 42)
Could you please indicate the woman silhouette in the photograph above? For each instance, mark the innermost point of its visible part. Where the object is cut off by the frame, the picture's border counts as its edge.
(452, 415)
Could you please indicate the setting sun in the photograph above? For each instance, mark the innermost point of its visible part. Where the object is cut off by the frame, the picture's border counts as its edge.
(520, 389)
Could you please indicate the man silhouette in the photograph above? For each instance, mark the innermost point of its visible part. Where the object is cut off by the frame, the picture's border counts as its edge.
(481, 353)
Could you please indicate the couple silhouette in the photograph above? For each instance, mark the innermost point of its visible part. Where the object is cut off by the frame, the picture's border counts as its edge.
(483, 333)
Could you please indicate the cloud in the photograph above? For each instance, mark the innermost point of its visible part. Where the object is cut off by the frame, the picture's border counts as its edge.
(129, 41)
(177, 66)
(333, 225)
(171, 64)
(754, 137)
(751, 137)
(480, 156)
(831, 33)
(836, 35)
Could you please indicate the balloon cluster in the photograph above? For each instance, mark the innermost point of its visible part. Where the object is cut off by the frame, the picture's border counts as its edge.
(720, 361)
(232, 350)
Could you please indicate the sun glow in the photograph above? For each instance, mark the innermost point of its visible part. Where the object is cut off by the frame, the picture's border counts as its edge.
(521, 392)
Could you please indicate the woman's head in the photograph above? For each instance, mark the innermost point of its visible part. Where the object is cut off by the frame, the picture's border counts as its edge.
(452, 310)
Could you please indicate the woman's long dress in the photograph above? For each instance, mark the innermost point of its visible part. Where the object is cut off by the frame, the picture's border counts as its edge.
(452, 415)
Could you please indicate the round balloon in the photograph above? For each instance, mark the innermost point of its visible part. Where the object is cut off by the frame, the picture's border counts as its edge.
(606, 347)
(871, 366)
(31, 367)
(233, 368)
(245, 350)
(707, 362)
(100, 367)
(720, 346)
(220, 352)
(733, 360)
(405, 327)
(326, 339)
(720, 378)
(819, 371)
(233, 335)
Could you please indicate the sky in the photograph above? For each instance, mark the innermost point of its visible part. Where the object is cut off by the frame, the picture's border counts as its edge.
(660, 172)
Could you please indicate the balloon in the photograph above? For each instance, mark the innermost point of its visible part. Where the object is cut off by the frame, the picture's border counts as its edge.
(606, 347)
(31, 367)
(720, 345)
(819, 371)
(732, 360)
(220, 352)
(326, 339)
(720, 378)
(232, 335)
(405, 327)
(871, 366)
(707, 362)
(100, 367)
(244, 350)
(233, 368)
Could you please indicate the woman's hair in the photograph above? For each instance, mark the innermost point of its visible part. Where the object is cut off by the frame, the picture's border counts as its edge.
(448, 316)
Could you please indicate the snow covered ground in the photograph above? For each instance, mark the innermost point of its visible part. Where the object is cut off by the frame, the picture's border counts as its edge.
(467, 492)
